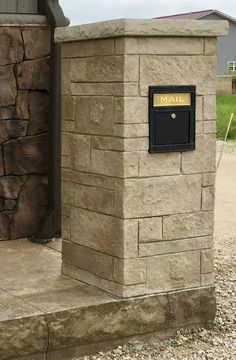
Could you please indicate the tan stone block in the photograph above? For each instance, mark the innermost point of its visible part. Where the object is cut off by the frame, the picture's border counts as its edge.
(209, 109)
(65, 228)
(136, 144)
(66, 161)
(88, 197)
(107, 143)
(199, 108)
(88, 179)
(68, 126)
(188, 225)
(207, 261)
(161, 46)
(208, 179)
(172, 272)
(160, 196)
(94, 115)
(150, 229)
(210, 45)
(66, 210)
(209, 127)
(80, 152)
(175, 246)
(131, 130)
(207, 279)
(87, 259)
(80, 49)
(178, 70)
(131, 110)
(68, 107)
(208, 198)
(66, 77)
(112, 163)
(203, 159)
(103, 89)
(199, 127)
(104, 233)
(105, 69)
(159, 164)
(130, 271)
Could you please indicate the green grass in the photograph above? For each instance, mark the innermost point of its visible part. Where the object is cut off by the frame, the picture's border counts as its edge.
(225, 106)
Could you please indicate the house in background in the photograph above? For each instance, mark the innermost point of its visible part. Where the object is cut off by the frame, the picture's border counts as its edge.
(226, 45)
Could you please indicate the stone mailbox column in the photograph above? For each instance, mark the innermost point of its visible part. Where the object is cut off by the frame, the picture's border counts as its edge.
(136, 223)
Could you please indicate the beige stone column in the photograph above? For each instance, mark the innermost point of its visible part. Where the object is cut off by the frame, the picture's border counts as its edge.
(136, 223)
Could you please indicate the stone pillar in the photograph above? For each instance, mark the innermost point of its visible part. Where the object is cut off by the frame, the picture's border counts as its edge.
(24, 120)
(136, 223)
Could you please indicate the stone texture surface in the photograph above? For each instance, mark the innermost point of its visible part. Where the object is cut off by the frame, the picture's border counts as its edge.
(150, 229)
(24, 119)
(11, 48)
(155, 70)
(34, 74)
(37, 43)
(141, 28)
(26, 155)
(7, 86)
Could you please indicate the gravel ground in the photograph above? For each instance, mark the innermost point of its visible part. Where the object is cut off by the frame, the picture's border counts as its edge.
(218, 341)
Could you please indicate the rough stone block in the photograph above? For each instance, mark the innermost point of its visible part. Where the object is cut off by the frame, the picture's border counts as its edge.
(103, 89)
(131, 110)
(4, 225)
(113, 163)
(68, 107)
(36, 42)
(68, 126)
(7, 113)
(208, 198)
(88, 197)
(188, 225)
(26, 155)
(160, 46)
(22, 105)
(9, 204)
(209, 102)
(8, 90)
(160, 196)
(150, 229)
(137, 144)
(209, 127)
(77, 148)
(159, 164)
(207, 279)
(11, 46)
(105, 69)
(210, 46)
(88, 179)
(107, 143)
(207, 261)
(65, 228)
(10, 186)
(203, 159)
(39, 112)
(130, 271)
(87, 259)
(93, 115)
(104, 233)
(1, 162)
(131, 130)
(88, 48)
(199, 108)
(12, 129)
(31, 209)
(168, 272)
(33, 74)
(66, 76)
(157, 70)
(175, 246)
(208, 179)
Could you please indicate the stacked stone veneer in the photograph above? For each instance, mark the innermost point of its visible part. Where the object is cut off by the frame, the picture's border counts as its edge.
(136, 223)
(24, 119)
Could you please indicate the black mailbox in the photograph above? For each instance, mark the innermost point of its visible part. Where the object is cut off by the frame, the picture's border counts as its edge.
(171, 118)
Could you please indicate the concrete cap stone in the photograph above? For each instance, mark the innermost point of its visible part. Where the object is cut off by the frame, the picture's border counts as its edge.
(22, 20)
(142, 28)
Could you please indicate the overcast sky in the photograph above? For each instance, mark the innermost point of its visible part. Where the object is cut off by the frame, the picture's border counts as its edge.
(87, 11)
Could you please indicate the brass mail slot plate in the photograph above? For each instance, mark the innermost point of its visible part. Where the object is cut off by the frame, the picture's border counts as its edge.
(175, 99)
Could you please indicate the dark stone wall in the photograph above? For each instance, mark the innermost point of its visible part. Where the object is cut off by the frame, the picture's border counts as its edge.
(24, 122)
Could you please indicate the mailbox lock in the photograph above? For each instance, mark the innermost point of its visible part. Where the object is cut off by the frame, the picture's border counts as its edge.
(173, 115)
